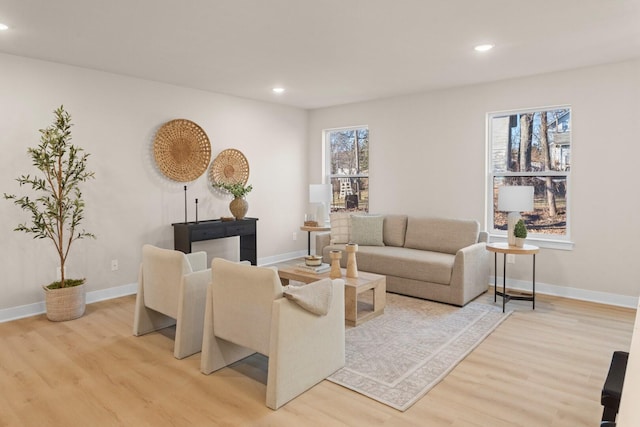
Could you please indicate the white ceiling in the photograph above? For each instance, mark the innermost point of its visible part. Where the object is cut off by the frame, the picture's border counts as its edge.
(324, 52)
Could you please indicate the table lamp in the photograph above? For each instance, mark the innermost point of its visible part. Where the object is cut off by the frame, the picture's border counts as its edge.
(321, 194)
(514, 199)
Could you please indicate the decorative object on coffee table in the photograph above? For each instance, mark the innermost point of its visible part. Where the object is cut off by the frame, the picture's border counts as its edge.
(181, 150)
(313, 260)
(335, 272)
(352, 266)
(229, 167)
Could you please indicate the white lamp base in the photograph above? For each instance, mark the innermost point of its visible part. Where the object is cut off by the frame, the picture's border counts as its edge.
(512, 219)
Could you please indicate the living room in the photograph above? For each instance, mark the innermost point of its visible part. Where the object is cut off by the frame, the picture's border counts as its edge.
(427, 158)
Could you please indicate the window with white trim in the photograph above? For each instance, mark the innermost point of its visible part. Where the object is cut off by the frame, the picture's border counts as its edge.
(347, 167)
(532, 148)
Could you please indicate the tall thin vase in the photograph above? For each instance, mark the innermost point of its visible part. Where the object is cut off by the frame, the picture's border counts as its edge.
(335, 272)
(352, 266)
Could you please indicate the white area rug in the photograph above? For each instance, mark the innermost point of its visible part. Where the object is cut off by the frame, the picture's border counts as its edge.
(398, 357)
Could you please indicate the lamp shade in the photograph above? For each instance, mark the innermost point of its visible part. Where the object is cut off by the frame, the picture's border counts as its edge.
(515, 198)
(319, 193)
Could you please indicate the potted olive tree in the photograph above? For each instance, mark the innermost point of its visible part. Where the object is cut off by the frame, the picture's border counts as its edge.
(57, 209)
(520, 233)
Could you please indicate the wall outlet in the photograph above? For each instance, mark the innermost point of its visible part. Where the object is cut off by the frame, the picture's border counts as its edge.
(295, 236)
(511, 259)
(114, 265)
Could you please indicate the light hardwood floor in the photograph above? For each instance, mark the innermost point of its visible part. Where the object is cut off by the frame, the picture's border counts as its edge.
(539, 368)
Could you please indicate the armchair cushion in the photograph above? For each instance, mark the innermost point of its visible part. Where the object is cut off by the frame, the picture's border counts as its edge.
(314, 297)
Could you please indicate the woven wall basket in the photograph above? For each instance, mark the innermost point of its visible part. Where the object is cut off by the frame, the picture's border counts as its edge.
(65, 303)
(229, 167)
(182, 150)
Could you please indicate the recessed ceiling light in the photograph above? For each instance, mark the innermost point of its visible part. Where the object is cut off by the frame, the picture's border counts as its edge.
(278, 89)
(3, 27)
(483, 47)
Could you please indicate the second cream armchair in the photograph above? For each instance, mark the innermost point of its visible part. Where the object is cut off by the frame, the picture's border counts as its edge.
(246, 313)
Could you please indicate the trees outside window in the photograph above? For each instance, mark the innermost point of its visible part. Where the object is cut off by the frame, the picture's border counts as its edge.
(348, 168)
(533, 148)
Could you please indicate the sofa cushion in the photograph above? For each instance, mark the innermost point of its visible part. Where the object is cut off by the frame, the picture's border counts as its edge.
(366, 230)
(425, 266)
(340, 227)
(441, 235)
(394, 230)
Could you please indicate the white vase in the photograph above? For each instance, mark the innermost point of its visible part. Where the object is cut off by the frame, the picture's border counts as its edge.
(520, 242)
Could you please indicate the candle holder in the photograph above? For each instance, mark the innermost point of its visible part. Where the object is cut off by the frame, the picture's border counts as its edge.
(352, 266)
(335, 272)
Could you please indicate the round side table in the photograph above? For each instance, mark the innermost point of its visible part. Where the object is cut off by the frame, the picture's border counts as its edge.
(504, 249)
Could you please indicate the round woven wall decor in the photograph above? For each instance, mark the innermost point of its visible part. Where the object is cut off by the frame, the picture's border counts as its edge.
(182, 150)
(230, 167)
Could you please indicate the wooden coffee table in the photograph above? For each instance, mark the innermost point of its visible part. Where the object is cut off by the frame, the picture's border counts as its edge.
(352, 289)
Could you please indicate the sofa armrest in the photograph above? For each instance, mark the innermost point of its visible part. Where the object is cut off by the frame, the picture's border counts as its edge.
(322, 240)
(470, 276)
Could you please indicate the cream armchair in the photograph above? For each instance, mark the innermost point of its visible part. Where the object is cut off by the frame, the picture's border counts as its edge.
(171, 291)
(246, 313)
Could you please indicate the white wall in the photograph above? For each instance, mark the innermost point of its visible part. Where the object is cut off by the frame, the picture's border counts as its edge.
(427, 157)
(130, 203)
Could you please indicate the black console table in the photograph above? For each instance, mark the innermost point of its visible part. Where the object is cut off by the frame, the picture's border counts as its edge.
(184, 233)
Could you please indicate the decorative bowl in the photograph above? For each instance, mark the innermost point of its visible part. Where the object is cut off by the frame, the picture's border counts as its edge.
(313, 260)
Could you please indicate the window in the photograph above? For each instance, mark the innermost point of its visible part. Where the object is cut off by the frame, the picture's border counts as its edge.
(348, 168)
(532, 147)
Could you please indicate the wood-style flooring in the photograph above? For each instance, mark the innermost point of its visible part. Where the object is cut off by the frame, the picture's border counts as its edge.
(542, 368)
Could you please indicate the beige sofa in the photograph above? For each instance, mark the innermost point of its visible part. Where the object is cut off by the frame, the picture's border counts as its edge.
(438, 259)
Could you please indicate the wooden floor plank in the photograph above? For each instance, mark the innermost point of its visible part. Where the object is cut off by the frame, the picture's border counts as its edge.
(539, 368)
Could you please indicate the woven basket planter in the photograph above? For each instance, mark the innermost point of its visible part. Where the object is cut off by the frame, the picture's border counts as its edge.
(65, 303)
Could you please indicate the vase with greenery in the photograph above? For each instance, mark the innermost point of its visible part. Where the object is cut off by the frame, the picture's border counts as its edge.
(520, 233)
(56, 206)
(238, 205)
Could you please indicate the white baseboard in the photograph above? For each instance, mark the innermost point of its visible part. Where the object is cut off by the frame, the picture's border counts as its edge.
(13, 313)
(28, 310)
(571, 293)
(280, 258)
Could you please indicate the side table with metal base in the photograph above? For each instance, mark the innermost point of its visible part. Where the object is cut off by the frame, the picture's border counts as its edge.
(505, 249)
(311, 230)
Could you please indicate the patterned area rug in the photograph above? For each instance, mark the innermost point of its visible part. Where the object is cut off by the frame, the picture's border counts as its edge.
(398, 357)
